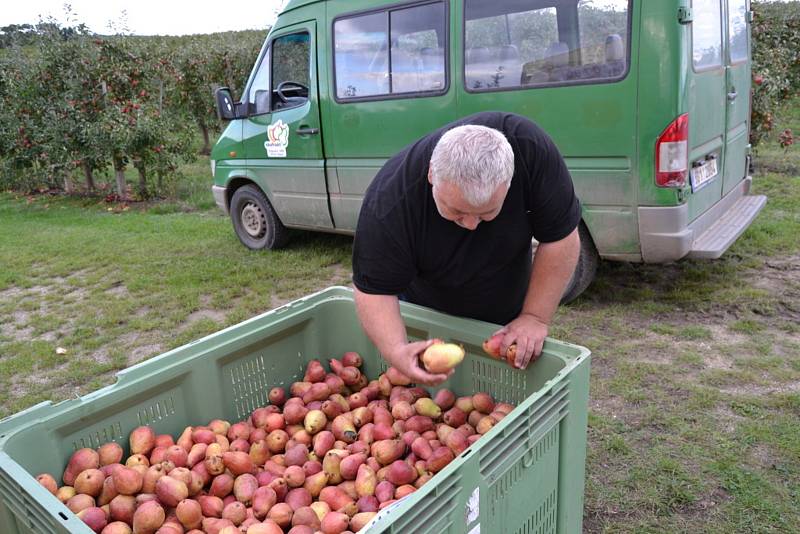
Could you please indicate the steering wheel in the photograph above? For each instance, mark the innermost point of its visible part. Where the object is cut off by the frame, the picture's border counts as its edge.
(284, 85)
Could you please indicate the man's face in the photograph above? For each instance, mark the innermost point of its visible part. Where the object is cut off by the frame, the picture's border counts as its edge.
(452, 206)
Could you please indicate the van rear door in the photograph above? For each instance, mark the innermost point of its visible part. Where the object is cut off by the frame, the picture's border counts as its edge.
(738, 97)
(707, 105)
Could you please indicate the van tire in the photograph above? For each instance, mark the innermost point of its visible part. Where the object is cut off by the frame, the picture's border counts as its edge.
(585, 269)
(255, 221)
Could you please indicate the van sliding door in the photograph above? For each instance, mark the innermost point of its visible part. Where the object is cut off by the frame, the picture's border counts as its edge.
(389, 80)
(567, 65)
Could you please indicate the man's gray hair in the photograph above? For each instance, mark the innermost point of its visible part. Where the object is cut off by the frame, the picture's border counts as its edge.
(475, 158)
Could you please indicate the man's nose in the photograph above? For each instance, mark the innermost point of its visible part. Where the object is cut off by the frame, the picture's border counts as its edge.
(470, 222)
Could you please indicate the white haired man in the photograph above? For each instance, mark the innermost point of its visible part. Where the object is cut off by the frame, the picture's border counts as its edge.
(447, 223)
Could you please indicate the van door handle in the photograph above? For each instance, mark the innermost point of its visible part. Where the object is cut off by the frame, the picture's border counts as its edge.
(732, 96)
(305, 130)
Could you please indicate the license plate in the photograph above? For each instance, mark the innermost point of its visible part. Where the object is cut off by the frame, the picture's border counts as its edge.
(702, 174)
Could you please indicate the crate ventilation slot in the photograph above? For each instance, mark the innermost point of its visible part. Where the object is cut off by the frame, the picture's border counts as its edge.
(156, 412)
(27, 511)
(112, 432)
(505, 384)
(521, 436)
(434, 513)
(543, 521)
(505, 483)
(250, 384)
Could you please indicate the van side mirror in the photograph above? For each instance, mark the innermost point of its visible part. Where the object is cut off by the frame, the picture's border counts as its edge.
(226, 107)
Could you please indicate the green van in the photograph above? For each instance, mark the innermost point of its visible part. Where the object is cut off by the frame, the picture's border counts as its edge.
(648, 101)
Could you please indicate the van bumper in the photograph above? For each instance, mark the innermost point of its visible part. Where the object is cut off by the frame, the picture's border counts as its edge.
(221, 197)
(666, 235)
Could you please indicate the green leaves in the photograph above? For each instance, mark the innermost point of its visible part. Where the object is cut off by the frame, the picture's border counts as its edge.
(776, 63)
(71, 103)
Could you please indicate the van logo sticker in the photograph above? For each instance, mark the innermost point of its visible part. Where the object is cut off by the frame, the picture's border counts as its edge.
(277, 139)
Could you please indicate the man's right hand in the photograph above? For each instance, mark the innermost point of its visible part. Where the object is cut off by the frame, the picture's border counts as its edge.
(405, 358)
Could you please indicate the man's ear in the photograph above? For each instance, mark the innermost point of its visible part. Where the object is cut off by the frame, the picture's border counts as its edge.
(430, 176)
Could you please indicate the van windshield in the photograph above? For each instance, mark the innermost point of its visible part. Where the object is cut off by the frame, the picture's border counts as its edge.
(522, 43)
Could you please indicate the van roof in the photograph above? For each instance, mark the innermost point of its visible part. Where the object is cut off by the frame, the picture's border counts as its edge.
(294, 4)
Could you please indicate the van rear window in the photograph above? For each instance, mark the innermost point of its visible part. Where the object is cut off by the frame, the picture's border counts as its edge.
(737, 30)
(523, 43)
(706, 34)
(395, 52)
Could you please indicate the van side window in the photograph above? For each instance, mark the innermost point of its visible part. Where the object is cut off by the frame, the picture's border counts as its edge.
(706, 34)
(373, 61)
(513, 44)
(737, 30)
(259, 93)
(290, 70)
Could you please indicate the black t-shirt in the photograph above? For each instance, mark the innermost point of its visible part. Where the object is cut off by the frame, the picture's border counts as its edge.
(404, 247)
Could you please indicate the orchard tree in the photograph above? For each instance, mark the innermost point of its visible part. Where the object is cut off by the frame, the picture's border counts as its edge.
(75, 108)
(24, 113)
(136, 125)
(776, 63)
(203, 63)
(234, 57)
(193, 89)
(47, 96)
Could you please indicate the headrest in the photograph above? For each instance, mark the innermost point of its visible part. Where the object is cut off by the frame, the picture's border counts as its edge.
(557, 55)
(615, 49)
(509, 53)
(478, 54)
(432, 58)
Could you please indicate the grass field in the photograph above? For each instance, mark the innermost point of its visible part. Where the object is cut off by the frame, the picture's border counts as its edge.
(695, 397)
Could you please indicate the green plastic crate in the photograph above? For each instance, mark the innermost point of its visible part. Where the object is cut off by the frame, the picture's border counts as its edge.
(525, 476)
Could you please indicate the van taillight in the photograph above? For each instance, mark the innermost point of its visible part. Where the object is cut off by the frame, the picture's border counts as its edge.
(672, 154)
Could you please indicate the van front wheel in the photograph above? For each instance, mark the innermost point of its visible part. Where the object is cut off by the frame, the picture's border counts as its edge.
(585, 269)
(254, 221)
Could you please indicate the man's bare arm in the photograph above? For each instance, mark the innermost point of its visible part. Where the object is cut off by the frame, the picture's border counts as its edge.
(552, 270)
(381, 320)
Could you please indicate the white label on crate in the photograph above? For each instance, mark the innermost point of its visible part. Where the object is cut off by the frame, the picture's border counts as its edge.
(476, 530)
(473, 507)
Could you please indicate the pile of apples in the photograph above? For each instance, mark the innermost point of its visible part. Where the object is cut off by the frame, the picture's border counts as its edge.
(324, 458)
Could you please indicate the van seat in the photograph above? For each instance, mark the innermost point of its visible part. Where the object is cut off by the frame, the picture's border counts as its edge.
(479, 54)
(557, 55)
(557, 60)
(615, 49)
(432, 73)
(432, 58)
(509, 54)
(503, 67)
(406, 67)
(360, 73)
(615, 56)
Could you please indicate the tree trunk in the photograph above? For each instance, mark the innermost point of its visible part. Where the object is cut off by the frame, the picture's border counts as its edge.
(67, 184)
(142, 180)
(206, 150)
(89, 174)
(119, 172)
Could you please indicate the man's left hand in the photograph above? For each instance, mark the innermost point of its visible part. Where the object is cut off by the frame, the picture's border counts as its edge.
(528, 332)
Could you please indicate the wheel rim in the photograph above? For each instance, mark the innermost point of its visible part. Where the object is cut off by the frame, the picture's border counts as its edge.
(253, 220)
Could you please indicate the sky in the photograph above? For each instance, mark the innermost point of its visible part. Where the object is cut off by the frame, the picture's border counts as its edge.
(147, 17)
